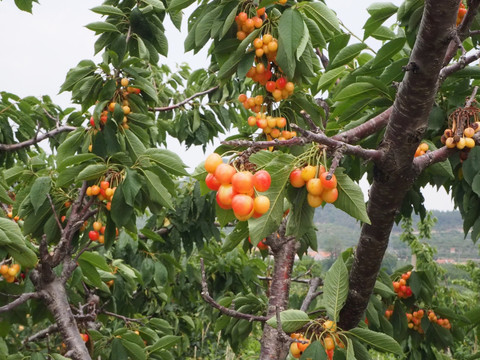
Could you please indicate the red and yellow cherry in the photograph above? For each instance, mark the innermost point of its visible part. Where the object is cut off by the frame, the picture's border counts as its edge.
(261, 204)
(314, 200)
(242, 205)
(296, 178)
(225, 195)
(212, 182)
(224, 173)
(212, 161)
(93, 235)
(328, 183)
(262, 180)
(330, 195)
(97, 225)
(315, 186)
(242, 182)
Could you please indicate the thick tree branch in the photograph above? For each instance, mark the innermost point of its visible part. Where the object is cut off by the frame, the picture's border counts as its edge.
(36, 139)
(20, 300)
(229, 312)
(394, 174)
(183, 102)
(42, 334)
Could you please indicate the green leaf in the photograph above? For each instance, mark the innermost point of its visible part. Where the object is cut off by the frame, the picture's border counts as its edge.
(158, 193)
(107, 10)
(74, 160)
(330, 77)
(90, 272)
(346, 55)
(96, 260)
(135, 350)
(383, 290)
(388, 50)
(155, 3)
(165, 342)
(177, 5)
(134, 145)
(314, 351)
(92, 172)
(379, 13)
(324, 14)
(38, 192)
(291, 29)
(335, 288)
(167, 160)
(236, 236)
(229, 67)
(350, 197)
(379, 341)
(22, 254)
(131, 186)
(24, 5)
(101, 27)
(291, 319)
(83, 69)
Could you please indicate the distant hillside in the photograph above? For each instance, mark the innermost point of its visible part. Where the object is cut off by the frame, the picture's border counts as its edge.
(337, 231)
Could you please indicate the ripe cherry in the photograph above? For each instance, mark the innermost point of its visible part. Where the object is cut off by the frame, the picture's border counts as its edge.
(281, 82)
(261, 204)
(328, 183)
(314, 200)
(296, 178)
(308, 172)
(212, 182)
(93, 235)
(97, 225)
(262, 180)
(225, 195)
(330, 195)
(315, 186)
(242, 205)
(104, 185)
(212, 161)
(224, 173)
(270, 86)
(242, 182)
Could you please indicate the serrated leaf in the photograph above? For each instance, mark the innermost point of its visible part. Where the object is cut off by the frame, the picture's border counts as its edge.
(101, 27)
(329, 77)
(236, 236)
(350, 197)
(379, 13)
(90, 272)
(96, 260)
(291, 319)
(107, 10)
(177, 5)
(325, 15)
(167, 160)
(346, 55)
(335, 288)
(291, 30)
(388, 50)
(383, 290)
(38, 192)
(135, 350)
(164, 343)
(379, 341)
(158, 193)
(92, 172)
(135, 146)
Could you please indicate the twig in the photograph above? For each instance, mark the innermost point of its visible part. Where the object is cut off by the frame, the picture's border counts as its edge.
(269, 278)
(175, 106)
(450, 69)
(20, 300)
(42, 333)
(281, 334)
(36, 139)
(59, 224)
(229, 312)
(124, 318)
(337, 157)
(312, 293)
(322, 57)
(309, 120)
(368, 154)
(472, 97)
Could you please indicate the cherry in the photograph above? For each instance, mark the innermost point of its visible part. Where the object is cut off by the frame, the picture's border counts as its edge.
(212, 182)
(262, 180)
(93, 235)
(328, 183)
(242, 182)
(242, 205)
(296, 178)
(224, 173)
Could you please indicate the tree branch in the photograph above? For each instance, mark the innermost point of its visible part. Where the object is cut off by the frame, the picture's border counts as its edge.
(320, 138)
(464, 61)
(36, 139)
(312, 293)
(229, 312)
(124, 318)
(42, 333)
(20, 300)
(181, 103)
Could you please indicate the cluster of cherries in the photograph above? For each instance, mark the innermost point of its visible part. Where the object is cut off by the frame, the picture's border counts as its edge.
(246, 25)
(401, 288)
(123, 93)
(10, 216)
(421, 149)
(237, 190)
(103, 193)
(9, 273)
(321, 186)
(445, 323)
(452, 140)
(329, 339)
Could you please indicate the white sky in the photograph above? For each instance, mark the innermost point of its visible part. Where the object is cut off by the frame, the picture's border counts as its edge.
(37, 51)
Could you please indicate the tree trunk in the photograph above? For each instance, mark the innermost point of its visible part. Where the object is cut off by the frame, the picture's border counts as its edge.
(394, 174)
(273, 346)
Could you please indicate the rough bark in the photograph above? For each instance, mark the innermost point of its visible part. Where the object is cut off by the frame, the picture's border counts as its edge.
(394, 174)
(273, 345)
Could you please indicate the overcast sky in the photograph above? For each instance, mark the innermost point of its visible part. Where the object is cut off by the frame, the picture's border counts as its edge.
(37, 51)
